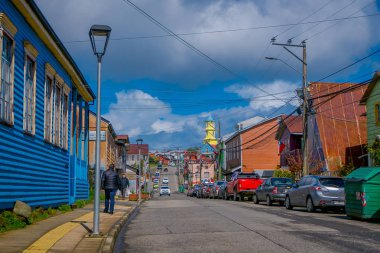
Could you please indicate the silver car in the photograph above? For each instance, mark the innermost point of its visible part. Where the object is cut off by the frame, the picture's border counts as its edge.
(317, 192)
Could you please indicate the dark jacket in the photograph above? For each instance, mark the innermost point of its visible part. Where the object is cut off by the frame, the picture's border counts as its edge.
(111, 180)
(124, 182)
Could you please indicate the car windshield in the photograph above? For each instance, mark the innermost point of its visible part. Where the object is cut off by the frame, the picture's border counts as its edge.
(164, 187)
(279, 181)
(220, 183)
(332, 182)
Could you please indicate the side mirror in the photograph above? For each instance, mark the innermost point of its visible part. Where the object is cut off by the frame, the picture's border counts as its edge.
(295, 185)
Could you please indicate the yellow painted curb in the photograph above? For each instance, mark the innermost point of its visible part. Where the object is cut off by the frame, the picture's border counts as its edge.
(44, 243)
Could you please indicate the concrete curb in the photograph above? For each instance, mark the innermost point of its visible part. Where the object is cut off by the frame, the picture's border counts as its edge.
(108, 242)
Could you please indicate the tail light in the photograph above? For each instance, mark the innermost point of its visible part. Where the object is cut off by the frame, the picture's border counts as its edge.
(239, 185)
(275, 190)
(321, 189)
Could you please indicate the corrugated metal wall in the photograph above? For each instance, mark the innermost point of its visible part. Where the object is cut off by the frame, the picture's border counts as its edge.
(32, 170)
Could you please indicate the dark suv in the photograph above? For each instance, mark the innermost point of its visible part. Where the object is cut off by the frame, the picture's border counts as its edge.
(273, 190)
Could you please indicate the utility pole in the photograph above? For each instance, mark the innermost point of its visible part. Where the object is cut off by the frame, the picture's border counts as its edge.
(220, 149)
(200, 166)
(304, 97)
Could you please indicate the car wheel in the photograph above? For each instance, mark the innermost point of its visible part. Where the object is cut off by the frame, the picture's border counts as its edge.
(288, 205)
(160, 195)
(309, 205)
(255, 199)
(269, 201)
(169, 195)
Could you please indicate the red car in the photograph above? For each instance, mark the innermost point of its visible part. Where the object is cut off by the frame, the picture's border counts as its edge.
(242, 185)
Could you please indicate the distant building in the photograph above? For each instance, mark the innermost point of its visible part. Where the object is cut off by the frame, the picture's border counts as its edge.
(210, 132)
(133, 153)
(43, 97)
(371, 99)
(254, 148)
(122, 143)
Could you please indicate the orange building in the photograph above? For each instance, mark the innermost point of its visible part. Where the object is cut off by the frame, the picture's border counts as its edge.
(108, 139)
(254, 148)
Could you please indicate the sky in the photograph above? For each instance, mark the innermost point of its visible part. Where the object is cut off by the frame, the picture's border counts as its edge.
(162, 88)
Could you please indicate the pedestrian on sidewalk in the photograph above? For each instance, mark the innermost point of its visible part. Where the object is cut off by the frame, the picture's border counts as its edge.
(124, 185)
(110, 183)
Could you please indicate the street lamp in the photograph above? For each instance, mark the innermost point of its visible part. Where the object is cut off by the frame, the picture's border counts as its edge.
(278, 59)
(99, 35)
(139, 143)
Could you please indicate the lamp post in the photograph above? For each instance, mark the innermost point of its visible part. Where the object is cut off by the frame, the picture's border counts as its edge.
(99, 35)
(139, 143)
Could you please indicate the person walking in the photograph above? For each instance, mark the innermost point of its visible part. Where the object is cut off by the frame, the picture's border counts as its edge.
(124, 185)
(110, 183)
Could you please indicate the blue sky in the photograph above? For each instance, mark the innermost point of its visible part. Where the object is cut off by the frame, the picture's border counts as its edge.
(156, 88)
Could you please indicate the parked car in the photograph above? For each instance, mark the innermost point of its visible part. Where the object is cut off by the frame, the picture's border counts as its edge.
(164, 190)
(273, 190)
(206, 190)
(165, 180)
(159, 166)
(190, 192)
(214, 191)
(222, 191)
(242, 185)
(166, 170)
(196, 189)
(317, 192)
(157, 174)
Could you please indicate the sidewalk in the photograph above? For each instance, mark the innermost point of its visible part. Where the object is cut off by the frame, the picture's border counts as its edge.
(69, 232)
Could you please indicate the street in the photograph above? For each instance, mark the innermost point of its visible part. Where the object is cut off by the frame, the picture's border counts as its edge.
(183, 224)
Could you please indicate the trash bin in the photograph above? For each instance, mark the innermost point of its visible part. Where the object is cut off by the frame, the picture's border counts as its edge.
(362, 189)
(181, 189)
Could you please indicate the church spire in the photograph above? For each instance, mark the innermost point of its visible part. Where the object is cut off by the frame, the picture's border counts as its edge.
(210, 132)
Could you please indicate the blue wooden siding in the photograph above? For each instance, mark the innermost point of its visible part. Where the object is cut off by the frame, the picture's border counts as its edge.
(32, 170)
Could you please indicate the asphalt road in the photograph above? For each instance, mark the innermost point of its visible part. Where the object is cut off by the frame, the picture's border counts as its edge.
(183, 224)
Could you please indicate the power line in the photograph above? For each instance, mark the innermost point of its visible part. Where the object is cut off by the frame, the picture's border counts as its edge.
(196, 50)
(230, 30)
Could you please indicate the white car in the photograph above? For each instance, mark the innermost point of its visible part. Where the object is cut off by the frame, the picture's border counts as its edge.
(165, 180)
(164, 190)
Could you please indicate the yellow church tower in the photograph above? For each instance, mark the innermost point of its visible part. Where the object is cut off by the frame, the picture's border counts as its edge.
(210, 132)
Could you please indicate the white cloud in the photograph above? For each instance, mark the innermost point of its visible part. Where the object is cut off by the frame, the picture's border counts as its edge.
(258, 94)
(165, 59)
(137, 113)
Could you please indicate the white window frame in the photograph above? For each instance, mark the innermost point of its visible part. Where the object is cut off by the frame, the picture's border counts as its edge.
(30, 110)
(8, 29)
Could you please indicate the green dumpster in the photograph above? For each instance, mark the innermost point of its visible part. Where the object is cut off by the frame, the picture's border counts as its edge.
(362, 189)
(181, 189)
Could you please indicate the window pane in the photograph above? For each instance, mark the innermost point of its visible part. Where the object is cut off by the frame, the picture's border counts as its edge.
(5, 85)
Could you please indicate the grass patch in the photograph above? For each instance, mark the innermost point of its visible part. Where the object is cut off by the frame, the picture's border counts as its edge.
(10, 221)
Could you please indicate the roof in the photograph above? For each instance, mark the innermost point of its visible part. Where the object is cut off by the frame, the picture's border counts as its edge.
(249, 122)
(123, 138)
(25, 6)
(134, 149)
(371, 86)
(110, 127)
(294, 124)
(262, 122)
(342, 129)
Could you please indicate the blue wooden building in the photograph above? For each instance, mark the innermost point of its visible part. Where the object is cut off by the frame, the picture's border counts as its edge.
(44, 105)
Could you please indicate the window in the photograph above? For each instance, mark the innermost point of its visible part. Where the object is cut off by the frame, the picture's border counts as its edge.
(6, 84)
(377, 114)
(57, 114)
(65, 112)
(48, 108)
(206, 174)
(133, 157)
(29, 95)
